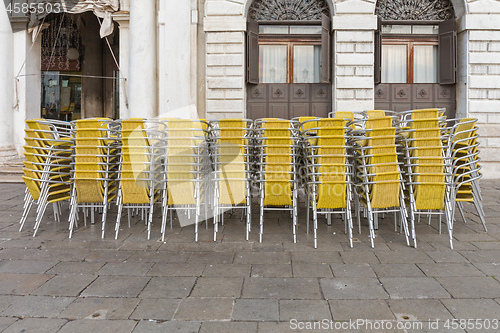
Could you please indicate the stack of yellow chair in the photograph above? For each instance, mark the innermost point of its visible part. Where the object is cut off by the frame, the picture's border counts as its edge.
(378, 175)
(95, 168)
(47, 168)
(141, 170)
(307, 127)
(424, 161)
(277, 150)
(232, 169)
(329, 182)
(463, 151)
(186, 169)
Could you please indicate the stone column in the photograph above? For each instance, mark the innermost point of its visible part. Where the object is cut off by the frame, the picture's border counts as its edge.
(123, 17)
(6, 86)
(353, 80)
(142, 82)
(92, 88)
(26, 64)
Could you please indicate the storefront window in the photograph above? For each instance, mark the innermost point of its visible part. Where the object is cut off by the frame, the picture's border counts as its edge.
(61, 95)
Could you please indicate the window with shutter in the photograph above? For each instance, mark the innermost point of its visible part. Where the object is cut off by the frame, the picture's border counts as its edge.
(253, 52)
(447, 52)
(325, 49)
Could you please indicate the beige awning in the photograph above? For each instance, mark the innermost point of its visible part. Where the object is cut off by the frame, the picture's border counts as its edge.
(101, 8)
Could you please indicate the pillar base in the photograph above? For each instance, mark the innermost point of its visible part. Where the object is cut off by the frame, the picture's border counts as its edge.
(8, 153)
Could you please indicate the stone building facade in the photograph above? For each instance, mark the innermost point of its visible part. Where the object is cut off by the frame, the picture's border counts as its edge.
(189, 59)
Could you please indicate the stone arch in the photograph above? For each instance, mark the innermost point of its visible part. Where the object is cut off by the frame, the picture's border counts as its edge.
(459, 7)
(249, 3)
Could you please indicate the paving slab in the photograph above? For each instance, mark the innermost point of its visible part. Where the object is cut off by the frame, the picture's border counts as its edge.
(65, 285)
(6, 322)
(7, 300)
(281, 288)
(364, 245)
(419, 309)
(304, 310)
(352, 288)
(26, 266)
(211, 258)
(176, 269)
(159, 257)
(76, 267)
(227, 270)
(360, 309)
(168, 287)
(359, 257)
(204, 309)
(95, 325)
(247, 257)
(473, 308)
(167, 326)
(402, 246)
(471, 287)
(109, 256)
(414, 256)
(52, 254)
(217, 287)
(21, 284)
(39, 325)
(308, 245)
(218, 327)
(487, 245)
(473, 237)
(487, 256)
(397, 270)
(445, 269)
(491, 269)
(352, 270)
(256, 310)
(317, 257)
(446, 256)
(457, 246)
(38, 306)
(100, 308)
(271, 270)
(125, 268)
(116, 286)
(413, 287)
(156, 309)
(306, 270)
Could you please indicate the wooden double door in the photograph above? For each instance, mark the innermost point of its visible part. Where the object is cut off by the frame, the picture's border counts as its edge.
(411, 96)
(276, 100)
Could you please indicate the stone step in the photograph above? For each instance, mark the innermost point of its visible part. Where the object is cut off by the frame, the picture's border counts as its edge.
(11, 171)
(14, 179)
(6, 171)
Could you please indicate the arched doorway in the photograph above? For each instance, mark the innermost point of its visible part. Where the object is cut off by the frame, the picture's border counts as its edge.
(79, 74)
(288, 59)
(415, 55)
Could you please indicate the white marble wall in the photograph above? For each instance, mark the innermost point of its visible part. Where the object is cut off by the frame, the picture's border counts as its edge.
(482, 25)
(224, 25)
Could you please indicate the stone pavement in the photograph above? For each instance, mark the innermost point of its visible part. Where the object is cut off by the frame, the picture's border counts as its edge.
(87, 284)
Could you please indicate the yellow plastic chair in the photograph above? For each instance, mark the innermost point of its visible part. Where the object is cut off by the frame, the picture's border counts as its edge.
(187, 167)
(46, 169)
(95, 169)
(231, 159)
(141, 170)
(329, 178)
(378, 175)
(277, 148)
